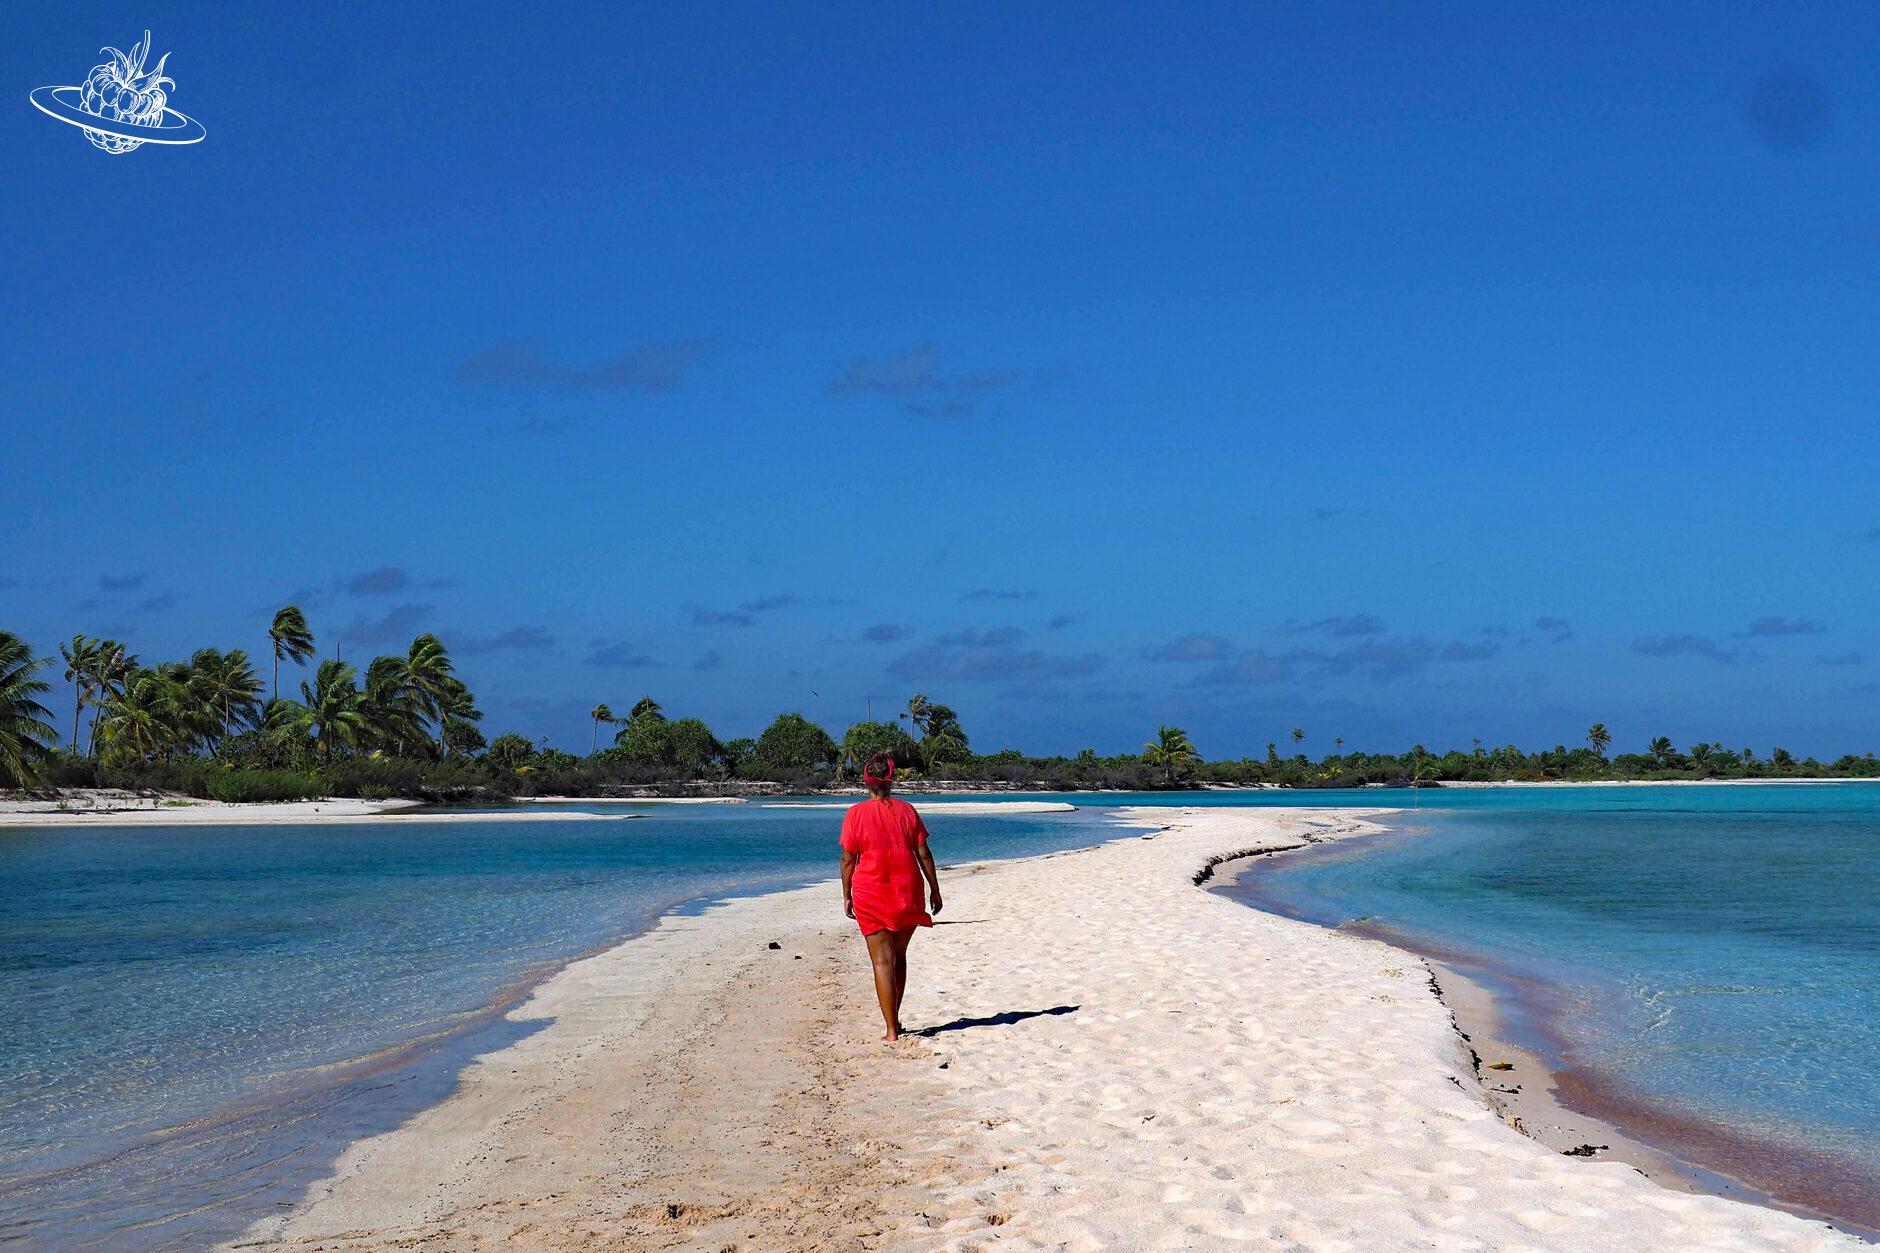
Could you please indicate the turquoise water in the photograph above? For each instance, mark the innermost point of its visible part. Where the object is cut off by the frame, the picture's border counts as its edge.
(193, 1019)
(1711, 953)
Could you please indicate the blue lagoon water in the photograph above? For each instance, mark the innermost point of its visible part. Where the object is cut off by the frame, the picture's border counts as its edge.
(1705, 962)
(195, 1020)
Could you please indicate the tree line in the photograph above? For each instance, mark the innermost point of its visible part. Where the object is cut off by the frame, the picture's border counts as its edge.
(409, 726)
(208, 720)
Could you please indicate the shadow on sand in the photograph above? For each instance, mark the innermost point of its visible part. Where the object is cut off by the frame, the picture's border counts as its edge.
(997, 1020)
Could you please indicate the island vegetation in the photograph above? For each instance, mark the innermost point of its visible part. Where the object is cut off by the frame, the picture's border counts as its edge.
(408, 726)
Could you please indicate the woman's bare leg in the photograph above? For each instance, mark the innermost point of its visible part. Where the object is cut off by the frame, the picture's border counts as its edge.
(883, 956)
(901, 939)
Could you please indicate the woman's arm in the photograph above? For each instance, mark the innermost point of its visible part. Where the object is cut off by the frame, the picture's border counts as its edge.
(932, 872)
(848, 875)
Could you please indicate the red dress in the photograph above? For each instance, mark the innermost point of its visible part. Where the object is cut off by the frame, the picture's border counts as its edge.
(887, 889)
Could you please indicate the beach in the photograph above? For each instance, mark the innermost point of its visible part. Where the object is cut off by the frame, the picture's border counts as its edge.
(104, 808)
(123, 809)
(956, 808)
(1759, 781)
(1108, 1057)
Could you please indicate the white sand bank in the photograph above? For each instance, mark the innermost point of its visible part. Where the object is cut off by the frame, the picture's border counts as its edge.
(951, 807)
(1120, 1061)
(121, 808)
(630, 800)
(1465, 783)
(196, 813)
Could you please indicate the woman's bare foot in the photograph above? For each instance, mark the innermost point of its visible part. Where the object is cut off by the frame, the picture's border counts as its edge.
(892, 1036)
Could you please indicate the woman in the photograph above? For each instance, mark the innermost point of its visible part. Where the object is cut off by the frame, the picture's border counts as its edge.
(884, 860)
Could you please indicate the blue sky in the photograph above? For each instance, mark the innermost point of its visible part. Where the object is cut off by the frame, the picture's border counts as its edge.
(1398, 376)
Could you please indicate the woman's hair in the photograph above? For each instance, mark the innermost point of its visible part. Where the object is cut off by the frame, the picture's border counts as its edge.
(878, 771)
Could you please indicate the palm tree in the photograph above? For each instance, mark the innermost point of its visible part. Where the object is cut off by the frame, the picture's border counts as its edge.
(942, 737)
(1170, 752)
(641, 730)
(1599, 738)
(429, 676)
(393, 720)
(229, 686)
(1338, 743)
(291, 639)
(332, 707)
(457, 712)
(600, 713)
(286, 728)
(1298, 734)
(919, 710)
(197, 718)
(945, 739)
(80, 656)
(26, 732)
(111, 671)
(150, 717)
(1662, 751)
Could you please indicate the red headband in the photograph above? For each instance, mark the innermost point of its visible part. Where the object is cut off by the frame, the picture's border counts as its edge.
(879, 769)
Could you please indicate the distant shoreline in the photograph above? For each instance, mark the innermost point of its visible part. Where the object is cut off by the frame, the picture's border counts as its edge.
(1780, 782)
(100, 809)
(115, 809)
(112, 807)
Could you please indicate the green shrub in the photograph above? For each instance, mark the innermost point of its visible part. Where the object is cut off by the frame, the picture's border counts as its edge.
(376, 778)
(66, 770)
(255, 786)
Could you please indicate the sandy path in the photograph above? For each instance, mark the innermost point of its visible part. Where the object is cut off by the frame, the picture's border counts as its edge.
(697, 1090)
(1124, 1062)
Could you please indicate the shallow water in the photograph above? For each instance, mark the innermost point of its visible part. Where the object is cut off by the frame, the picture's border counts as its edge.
(1710, 956)
(193, 1019)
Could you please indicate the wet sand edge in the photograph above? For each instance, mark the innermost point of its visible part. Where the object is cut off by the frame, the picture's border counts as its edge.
(1566, 1108)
